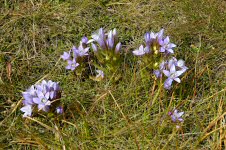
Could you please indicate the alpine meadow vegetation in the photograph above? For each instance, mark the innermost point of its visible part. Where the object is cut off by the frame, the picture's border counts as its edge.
(112, 74)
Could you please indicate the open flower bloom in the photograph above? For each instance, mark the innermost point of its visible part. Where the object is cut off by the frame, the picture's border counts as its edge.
(43, 101)
(141, 51)
(166, 46)
(72, 64)
(176, 116)
(172, 75)
(66, 56)
(80, 51)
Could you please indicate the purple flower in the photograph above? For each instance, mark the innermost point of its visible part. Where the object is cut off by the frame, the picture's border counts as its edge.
(176, 116)
(59, 110)
(152, 37)
(180, 64)
(65, 56)
(80, 51)
(27, 109)
(100, 37)
(42, 100)
(158, 73)
(29, 95)
(41, 95)
(141, 51)
(100, 74)
(107, 41)
(110, 40)
(166, 46)
(72, 64)
(172, 75)
(84, 40)
(118, 47)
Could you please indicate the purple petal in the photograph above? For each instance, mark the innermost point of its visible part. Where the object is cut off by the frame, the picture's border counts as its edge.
(40, 94)
(118, 47)
(59, 110)
(84, 39)
(37, 100)
(166, 72)
(168, 83)
(172, 69)
(162, 49)
(94, 47)
(170, 51)
(177, 80)
(166, 40)
(157, 73)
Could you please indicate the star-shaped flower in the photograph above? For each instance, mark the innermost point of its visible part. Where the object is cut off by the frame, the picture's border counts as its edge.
(176, 116)
(166, 46)
(172, 75)
(72, 64)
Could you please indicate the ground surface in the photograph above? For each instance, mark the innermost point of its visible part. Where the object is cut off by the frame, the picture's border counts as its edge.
(132, 113)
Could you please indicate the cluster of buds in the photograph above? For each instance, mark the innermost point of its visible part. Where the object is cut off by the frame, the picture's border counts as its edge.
(156, 44)
(72, 56)
(105, 41)
(41, 95)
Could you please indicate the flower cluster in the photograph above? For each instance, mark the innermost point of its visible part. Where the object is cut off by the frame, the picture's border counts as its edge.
(42, 95)
(172, 69)
(74, 53)
(105, 41)
(157, 44)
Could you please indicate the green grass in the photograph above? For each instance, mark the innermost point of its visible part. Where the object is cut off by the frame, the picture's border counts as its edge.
(132, 113)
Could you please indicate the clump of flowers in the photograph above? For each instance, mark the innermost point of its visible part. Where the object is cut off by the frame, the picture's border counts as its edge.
(73, 57)
(105, 41)
(172, 69)
(106, 47)
(42, 95)
(158, 48)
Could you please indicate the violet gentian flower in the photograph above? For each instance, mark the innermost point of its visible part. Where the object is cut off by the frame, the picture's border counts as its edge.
(152, 37)
(80, 51)
(172, 75)
(42, 100)
(29, 95)
(66, 56)
(158, 73)
(59, 110)
(141, 51)
(176, 116)
(100, 73)
(166, 46)
(72, 64)
(84, 40)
